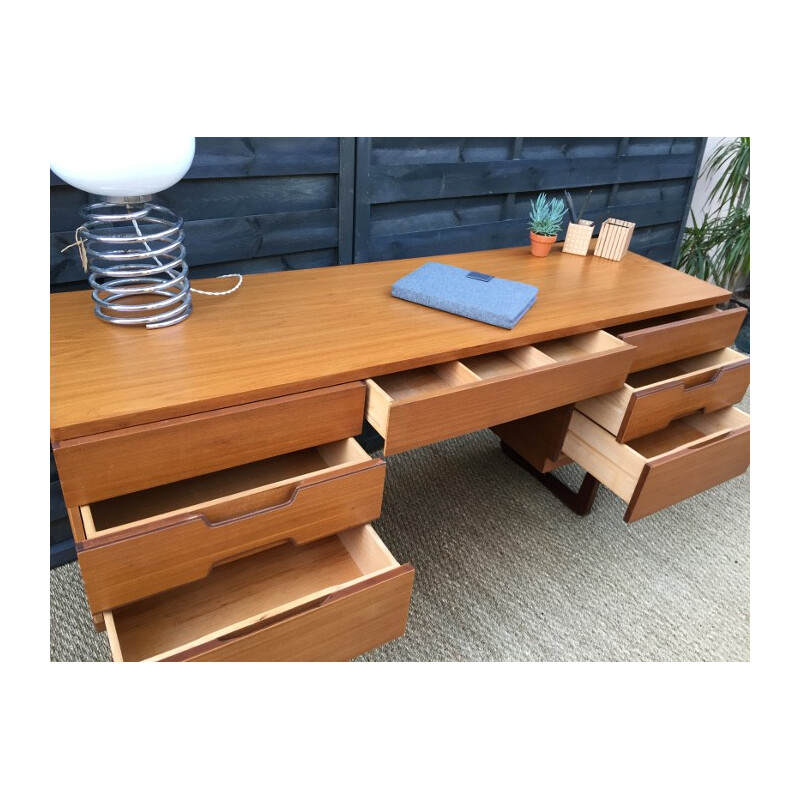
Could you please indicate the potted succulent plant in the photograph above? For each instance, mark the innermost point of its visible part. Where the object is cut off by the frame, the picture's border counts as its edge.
(545, 223)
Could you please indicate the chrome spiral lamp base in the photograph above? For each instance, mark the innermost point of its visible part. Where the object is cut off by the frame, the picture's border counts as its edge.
(136, 262)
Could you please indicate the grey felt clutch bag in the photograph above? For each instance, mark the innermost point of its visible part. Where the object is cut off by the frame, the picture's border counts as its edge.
(475, 295)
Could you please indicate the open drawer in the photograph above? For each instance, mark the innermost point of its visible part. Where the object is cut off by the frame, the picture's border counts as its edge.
(139, 544)
(419, 406)
(689, 333)
(660, 469)
(330, 600)
(652, 398)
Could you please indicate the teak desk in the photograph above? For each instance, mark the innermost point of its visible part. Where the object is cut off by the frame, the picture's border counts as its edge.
(220, 505)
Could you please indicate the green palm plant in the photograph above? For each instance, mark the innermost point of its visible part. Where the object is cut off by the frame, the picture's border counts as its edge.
(718, 248)
(732, 161)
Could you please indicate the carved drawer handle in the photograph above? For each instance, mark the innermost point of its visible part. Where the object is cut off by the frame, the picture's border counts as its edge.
(288, 494)
(717, 437)
(294, 493)
(691, 385)
(291, 494)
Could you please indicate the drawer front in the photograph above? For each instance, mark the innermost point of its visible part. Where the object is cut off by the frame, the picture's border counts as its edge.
(106, 465)
(339, 627)
(676, 476)
(695, 334)
(151, 557)
(330, 600)
(716, 450)
(633, 412)
(482, 402)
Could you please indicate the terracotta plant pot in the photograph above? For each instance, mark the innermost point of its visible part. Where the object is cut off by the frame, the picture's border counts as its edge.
(540, 245)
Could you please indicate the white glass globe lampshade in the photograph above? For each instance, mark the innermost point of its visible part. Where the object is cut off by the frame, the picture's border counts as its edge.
(122, 165)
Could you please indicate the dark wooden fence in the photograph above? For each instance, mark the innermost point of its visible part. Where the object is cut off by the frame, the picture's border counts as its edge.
(264, 204)
(419, 197)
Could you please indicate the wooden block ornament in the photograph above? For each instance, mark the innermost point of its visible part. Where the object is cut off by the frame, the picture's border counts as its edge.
(579, 231)
(614, 239)
(579, 234)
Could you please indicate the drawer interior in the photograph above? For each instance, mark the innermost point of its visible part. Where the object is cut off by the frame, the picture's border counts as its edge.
(428, 381)
(425, 380)
(420, 406)
(245, 591)
(652, 397)
(573, 347)
(684, 368)
(105, 515)
(665, 319)
(687, 431)
(507, 362)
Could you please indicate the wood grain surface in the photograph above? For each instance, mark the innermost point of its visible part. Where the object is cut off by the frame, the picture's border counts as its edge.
(293, 331)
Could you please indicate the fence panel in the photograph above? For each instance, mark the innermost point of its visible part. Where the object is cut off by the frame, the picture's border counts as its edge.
(417, 197)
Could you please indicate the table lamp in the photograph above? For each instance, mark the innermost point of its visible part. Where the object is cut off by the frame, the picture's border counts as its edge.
(132, 248)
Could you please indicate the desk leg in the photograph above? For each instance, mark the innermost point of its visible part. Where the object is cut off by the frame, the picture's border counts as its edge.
(580, 502)
(535, 443)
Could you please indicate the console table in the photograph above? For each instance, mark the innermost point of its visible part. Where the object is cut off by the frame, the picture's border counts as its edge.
(220, 505)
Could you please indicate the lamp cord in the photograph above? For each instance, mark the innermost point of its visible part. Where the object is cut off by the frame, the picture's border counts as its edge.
(80, 244)
(192, 289)
(229, 291)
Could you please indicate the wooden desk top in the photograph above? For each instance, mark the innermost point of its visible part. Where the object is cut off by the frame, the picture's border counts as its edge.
(286, 332)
